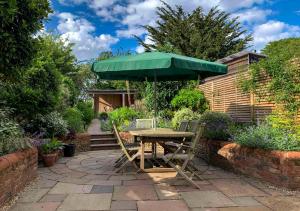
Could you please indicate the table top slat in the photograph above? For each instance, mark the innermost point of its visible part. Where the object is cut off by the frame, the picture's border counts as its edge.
(160, 133)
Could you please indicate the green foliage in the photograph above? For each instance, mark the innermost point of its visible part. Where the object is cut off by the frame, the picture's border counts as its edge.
(53, 146)
(50, 125)
(267, 137)
(217, 125)
(11, 138)
(190, 98)
(40, 90)
(87, 112)
(281, 67)
(208, 35)
(74, 119)
(184, 114)
(19, 20)
(123, 117)
(166, 91)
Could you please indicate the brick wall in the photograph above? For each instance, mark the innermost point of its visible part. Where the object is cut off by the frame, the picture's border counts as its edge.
(16, 170)
(277, 167)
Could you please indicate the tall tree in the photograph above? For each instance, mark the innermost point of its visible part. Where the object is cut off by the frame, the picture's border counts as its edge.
(211, 36)
(19, 20)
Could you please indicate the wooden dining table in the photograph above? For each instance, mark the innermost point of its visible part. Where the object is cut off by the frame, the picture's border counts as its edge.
(154, 136)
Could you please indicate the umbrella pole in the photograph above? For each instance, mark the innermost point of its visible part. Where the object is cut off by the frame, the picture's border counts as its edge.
(155, 99)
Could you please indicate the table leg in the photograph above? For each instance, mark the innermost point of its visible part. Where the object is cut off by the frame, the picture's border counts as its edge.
(142, 161)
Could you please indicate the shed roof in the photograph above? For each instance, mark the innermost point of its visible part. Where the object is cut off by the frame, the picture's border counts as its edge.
(239, 55)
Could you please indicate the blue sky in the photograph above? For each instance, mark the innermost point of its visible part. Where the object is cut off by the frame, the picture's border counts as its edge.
(100, 25)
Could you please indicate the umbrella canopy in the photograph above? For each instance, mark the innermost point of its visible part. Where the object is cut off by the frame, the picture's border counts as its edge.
(156, 66)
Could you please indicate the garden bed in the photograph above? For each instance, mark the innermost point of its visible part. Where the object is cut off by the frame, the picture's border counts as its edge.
(281, 168)
(16, 170)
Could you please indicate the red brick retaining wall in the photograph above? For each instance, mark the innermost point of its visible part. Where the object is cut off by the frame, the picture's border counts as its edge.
(16, 170)
(277, 167)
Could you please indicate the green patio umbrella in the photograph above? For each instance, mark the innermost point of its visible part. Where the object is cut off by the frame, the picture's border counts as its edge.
(156, 66)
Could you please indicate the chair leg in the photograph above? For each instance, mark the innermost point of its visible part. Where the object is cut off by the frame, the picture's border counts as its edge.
(116, 165)
(122, 166)
(179, 171)
(120, 158)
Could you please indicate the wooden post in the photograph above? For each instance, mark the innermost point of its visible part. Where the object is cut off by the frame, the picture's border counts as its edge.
(123, 100)
(96, 105)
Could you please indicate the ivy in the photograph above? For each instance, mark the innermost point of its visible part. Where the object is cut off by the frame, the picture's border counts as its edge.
(282, 71)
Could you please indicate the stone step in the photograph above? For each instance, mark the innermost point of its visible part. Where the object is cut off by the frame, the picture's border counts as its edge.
(103, 140)
(104, 146)
(103, 135)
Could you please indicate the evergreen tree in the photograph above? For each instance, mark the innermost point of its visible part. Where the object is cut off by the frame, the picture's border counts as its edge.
(208, 36)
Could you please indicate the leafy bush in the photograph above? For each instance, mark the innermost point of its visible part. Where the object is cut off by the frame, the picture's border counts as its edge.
(11, 138)
(52, 146)
(190, 98)
(166, 114)
(105, 125)
(50, 125)
(217, 125)
(87, 112)
(123, 117)
(267, 137)
(74, 119)
(184, 114)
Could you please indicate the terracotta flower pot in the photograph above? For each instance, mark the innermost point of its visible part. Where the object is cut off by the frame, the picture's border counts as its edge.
(49, 159)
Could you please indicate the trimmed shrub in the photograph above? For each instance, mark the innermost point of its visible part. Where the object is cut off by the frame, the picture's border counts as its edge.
(184, 114)
(87, 112)
(123, 117)
(267, 137)
(217, 125)
(74, 119)
(190, 98)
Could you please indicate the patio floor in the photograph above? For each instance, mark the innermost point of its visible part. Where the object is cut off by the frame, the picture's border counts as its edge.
(87, 182)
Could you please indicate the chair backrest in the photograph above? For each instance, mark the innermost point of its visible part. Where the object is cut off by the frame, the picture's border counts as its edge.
(196, 139)
(120, 142)
(144, 123)
(193, 126)
(183, 125)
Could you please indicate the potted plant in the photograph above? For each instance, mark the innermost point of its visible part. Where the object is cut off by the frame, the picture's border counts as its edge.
(50, 152)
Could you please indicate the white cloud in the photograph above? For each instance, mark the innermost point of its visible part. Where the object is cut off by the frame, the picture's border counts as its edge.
(140, 48)
(79, 31)
(252, 16)
(271, 31)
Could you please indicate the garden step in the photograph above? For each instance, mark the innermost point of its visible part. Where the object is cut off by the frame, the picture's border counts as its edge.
(104, 146)
(103, 141)
(103, 135)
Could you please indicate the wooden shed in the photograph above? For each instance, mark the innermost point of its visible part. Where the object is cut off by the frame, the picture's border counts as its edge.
(224, 94)
(109, 99)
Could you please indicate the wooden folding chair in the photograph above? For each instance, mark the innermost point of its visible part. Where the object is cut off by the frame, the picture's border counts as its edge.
(130, 153)
(183, 125)
(182, 157)
(144, 123)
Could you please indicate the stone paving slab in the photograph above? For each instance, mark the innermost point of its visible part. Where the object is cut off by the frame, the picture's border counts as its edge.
(123, 205)
(102, 189)
(142, 192)
(236, 187)
(45, 206)
(68, 188)
(33, 195)
(53, 198)
(206, 199)
(280, 202)
(165, 205)
(86, 202)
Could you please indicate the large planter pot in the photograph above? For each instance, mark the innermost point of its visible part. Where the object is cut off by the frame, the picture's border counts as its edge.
(49, 159)
(69, 150)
